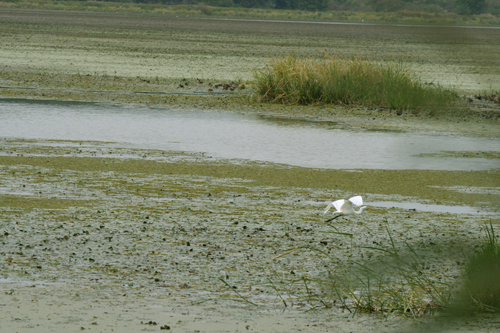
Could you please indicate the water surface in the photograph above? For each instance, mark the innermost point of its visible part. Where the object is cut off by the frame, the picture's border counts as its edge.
(238, 136)
(429, 208)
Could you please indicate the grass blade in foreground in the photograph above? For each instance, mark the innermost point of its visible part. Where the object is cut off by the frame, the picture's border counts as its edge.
(237, 293)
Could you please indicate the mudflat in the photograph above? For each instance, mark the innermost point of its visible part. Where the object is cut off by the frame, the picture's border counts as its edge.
(107, 239)
(182, 62)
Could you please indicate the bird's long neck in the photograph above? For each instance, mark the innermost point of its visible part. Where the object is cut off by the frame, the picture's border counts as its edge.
(360, 210)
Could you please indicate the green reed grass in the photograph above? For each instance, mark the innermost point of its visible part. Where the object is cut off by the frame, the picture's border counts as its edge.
(481, 279)
(396, 284)
(355, 81)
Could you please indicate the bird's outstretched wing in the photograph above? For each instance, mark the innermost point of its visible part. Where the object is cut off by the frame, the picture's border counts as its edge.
(357, 200)
(328, 208)
(338, 204)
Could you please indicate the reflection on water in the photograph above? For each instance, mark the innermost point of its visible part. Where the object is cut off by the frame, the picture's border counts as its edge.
(231, 135)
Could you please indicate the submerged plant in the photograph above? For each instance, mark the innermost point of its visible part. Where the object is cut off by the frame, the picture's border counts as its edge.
(335, 80)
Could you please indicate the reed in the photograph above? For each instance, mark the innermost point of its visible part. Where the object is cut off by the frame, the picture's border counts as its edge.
(396, 283)
(342, 81)
(481, 279)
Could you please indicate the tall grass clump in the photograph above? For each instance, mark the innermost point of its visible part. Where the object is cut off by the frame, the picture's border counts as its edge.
(398, 282)
(481, 279)
(355, 81)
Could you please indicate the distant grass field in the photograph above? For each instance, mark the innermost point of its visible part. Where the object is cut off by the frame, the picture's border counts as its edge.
(202, 10)
(333, 80)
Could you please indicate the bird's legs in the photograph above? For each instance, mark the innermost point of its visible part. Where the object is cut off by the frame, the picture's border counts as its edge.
(333, 218)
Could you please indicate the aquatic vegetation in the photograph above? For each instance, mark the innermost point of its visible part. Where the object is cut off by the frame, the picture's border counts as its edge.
(161, 228)
(347, 81)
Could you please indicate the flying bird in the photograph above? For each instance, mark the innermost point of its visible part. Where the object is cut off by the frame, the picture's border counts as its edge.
(346, 207)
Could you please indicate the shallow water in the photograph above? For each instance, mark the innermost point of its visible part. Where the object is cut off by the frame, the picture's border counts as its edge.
(415, 206)
(429, 208)
(238, 136)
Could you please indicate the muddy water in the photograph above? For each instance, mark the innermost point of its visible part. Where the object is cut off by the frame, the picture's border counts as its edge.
(238, 136)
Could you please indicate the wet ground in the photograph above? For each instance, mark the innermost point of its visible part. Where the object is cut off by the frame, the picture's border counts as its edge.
(115, 237)
(95, 237)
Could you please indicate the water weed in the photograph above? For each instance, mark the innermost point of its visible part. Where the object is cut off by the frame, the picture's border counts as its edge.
(347, 81)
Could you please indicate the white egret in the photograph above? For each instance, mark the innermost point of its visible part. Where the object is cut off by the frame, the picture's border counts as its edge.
(346, 207)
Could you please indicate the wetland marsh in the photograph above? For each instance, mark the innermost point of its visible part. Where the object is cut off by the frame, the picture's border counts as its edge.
(102, 235)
